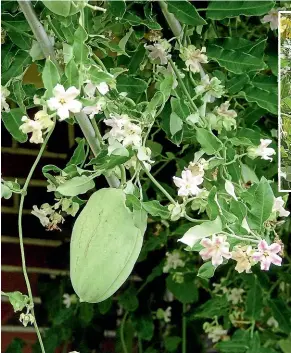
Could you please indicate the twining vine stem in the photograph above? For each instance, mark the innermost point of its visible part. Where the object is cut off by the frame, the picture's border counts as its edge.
(20, 232)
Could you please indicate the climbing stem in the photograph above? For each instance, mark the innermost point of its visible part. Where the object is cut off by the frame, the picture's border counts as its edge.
(124, 348)
(20, 232)
(184, 330)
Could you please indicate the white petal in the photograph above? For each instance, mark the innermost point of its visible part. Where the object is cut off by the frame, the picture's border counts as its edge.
(63, 112)
(74, 106)
(53, 103)
(230, 189)
(59, 91)
(71, 93)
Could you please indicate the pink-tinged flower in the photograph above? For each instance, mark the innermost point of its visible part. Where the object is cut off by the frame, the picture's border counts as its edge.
(267, 255)
(272, 18)
(215, 249)
(188, 184)
(278, 207)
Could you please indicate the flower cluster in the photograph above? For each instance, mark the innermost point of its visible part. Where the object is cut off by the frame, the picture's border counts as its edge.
(173, 261)
(193, 58)
(215, 332)
(262, 151)
(159, 51)
(191, 178)
(217, 249)
(4, 94)
(41, 124)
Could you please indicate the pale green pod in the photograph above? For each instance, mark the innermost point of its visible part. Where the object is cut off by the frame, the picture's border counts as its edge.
(63, 8)
(106, 241)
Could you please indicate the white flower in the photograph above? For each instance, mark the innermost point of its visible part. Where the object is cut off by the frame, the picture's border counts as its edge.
(132, 135)
(235, 295)
(272, 322)
(4, 94)
(44, 119)
(103, 88)
(25, 319)
(177, 211)
(212, 89)
(159, 51)
(267, 254)
(41, 215)
(188, 184)
(262, 150)
(278, 207)
(243, 256)
(215, 249)
(215, 333)
(272, 18)
(144, 155)
(225, 117)
(94, 109)
(117, 123)
(164, 314)
(64, 101)
(34, 127)
(67, 300)
(193, 58)
(173, 261)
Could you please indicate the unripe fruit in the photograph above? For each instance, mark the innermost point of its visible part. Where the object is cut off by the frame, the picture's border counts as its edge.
(106, 242)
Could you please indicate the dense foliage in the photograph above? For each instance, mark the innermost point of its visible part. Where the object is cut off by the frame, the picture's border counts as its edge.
(178, 108)
(285, 133)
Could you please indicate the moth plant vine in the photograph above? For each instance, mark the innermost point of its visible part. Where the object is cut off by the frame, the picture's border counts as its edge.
(178, 110)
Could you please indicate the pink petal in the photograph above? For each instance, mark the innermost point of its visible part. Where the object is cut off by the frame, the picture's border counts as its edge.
(275, 259)
(206, 242)
(265, 264)
(257, 256)
(217, 259)
(275, 248)
(206, 254)
(263, 245)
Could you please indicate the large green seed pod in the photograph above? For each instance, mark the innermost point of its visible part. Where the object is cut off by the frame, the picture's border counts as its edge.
(64, 8)
(106, 241)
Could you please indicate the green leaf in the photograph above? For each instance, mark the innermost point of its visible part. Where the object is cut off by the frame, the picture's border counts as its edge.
(143, 325)
(237, 55)
(265, 99)
(50, 77)
(79, 154)
(17, 300)
(76, 186)
(19, 93)
(86, 313)
(16, 346)
(12, 121)
(117, 8)
(206, 270)
(97, 76)
(209, 142)
(262, 205)
(216, 306)
(105, 306)
(105, 162)
(282, 313)
(124, 40)
(172, 343)
(176, 124)
(155, 209)
(6, 192)
(254, 301)
(128, 299)
(236, 84)
(20, 40)
(18, 65)
(218, 10)
(185, 292)
(134, 20)
(196, 233)
(72, 74)
(185, 12)
(251, 115)
(130, 84)
(80, 49)
(212, 208)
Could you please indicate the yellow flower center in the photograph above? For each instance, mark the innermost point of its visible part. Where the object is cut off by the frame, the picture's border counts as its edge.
(62, 101)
